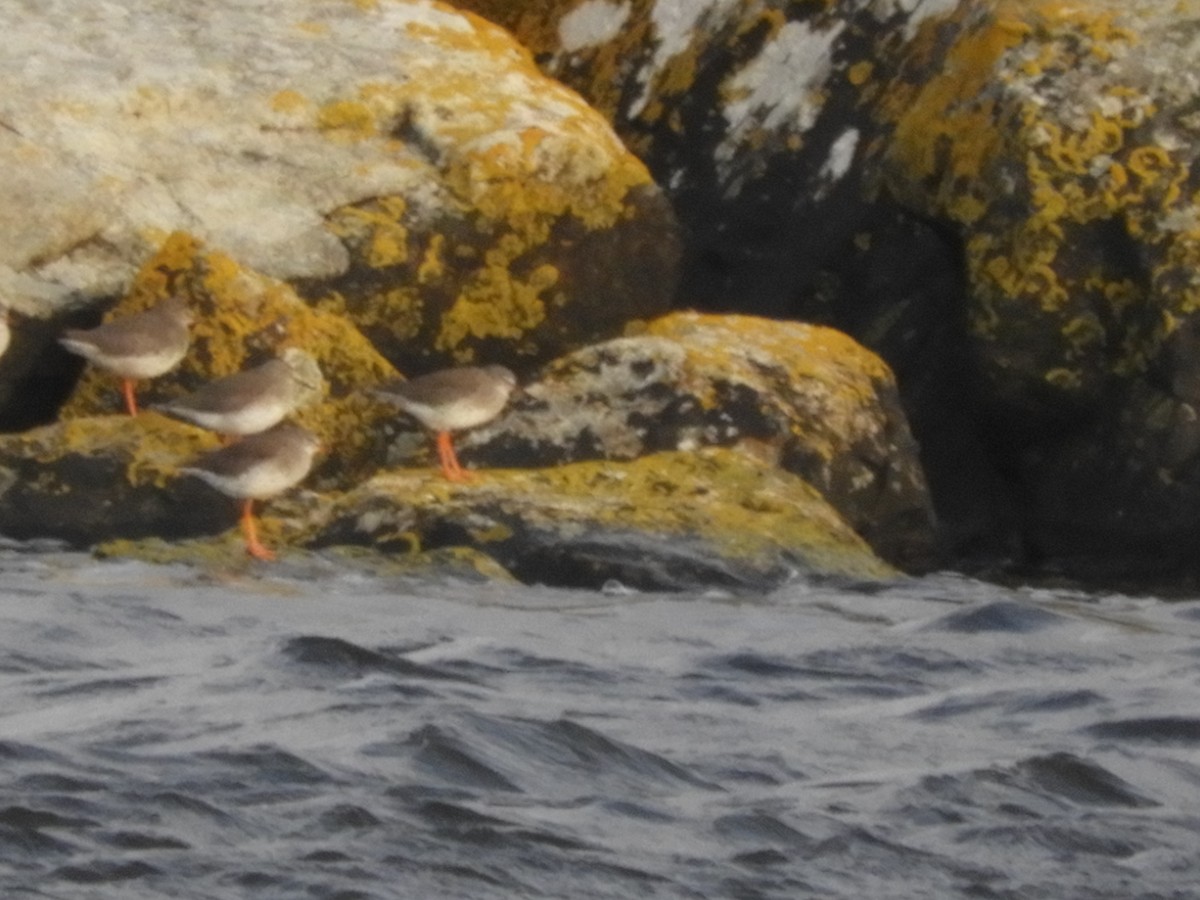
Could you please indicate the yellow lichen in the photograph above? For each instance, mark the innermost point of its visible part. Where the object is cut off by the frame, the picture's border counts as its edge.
(400, 311)
(288, 101)
(860, 73)
(824, 379)
(495, 305)
(350, 117)
(1092, 164)
(517, 155)
(730, 502)
(433, 266)
(240, 316)
(378, 227)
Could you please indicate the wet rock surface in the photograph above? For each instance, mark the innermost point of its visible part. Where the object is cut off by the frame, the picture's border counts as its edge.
(669, 521)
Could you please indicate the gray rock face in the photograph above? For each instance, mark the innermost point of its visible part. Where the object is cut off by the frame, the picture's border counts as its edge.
(804, 398)
(121, 120)
(399, 163)
(245, 124)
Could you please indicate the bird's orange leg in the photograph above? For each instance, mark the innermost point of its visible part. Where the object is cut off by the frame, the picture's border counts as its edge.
(253, 546)
(130, 399)
(449, 459)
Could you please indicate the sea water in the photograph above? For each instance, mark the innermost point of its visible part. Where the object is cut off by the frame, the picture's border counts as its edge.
(301, 731)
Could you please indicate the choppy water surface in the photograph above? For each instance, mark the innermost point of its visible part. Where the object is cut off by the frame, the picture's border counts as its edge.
(316, 734)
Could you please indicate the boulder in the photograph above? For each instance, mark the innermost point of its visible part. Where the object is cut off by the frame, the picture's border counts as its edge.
(401, 162)
(710, 518)
(706, 451)
(768, 124)
(803, 398)
(92, 479)
(756, 117)
(1060, 143)
(705, 519)
(393, 185)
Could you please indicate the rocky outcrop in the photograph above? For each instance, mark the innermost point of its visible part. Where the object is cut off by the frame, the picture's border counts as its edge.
(705, 452)
(757, 117)
(768, 124)
(707, 518)
(87, 480)
(393, 185)
(803, 398)
(999, 198)
(402, 162)
(1063, 150)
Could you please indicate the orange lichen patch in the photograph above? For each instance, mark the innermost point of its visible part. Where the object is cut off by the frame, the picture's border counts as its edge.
(378, 230)
(953, 124)
(527, 178)
(860, 73)
(349, 117)
(948, 120)
(807, 350)
(288, 101)
(481, 33)
(535, 23)
(433, 263)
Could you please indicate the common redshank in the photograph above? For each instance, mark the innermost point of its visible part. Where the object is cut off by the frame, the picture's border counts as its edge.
(254, 400)
(255, 468)
(452, 400)
(142, 345)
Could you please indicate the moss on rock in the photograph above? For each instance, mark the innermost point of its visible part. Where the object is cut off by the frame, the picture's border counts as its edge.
(93, 478)
(668, 521)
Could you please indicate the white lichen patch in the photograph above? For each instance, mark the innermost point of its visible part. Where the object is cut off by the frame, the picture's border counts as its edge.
(839, 160)
(675, 29)
(591, 23)
(914, 11)
(781, 88)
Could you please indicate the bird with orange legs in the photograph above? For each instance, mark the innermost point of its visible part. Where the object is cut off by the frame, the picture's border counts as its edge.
(138, 346)
(252, 400)
(452, 400)
(258, 467)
